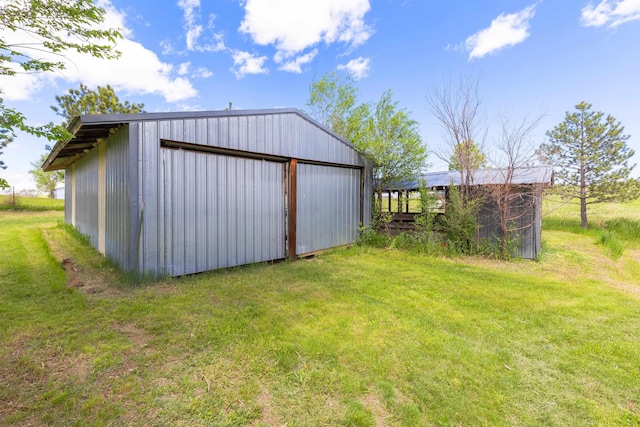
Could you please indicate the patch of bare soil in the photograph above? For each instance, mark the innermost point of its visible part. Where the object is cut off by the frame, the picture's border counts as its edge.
(138, 337)
(267, 417)
(376, 407)
(89, 281)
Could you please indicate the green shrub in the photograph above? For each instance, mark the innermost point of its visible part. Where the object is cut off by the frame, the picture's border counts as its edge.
(370, 236)
(459, 221)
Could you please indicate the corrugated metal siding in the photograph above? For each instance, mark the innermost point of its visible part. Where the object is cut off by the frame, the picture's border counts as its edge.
(86, 203)
(212, 212)
(180, 212)
(286, 135)
(527, 224)
(67, 195)
(328, 203)
(117, 200)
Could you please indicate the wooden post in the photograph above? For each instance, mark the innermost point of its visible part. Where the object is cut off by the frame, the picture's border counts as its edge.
(292, 208)
(406, 201)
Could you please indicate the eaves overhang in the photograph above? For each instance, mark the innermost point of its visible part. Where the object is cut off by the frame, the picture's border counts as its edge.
(87, 134)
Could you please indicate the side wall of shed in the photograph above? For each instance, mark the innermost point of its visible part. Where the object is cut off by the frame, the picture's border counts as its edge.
(117, 224)
(97, 197)
(526, 223)
(84, 196)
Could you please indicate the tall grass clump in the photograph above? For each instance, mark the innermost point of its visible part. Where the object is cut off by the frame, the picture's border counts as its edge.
(613, 244)
(625, 228)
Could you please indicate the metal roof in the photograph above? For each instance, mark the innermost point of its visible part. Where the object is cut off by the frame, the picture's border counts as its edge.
(89, 130)
(521, 176)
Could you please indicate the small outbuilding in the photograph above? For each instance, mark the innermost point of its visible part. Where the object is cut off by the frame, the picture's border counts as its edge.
(525, 192)
(181, 193)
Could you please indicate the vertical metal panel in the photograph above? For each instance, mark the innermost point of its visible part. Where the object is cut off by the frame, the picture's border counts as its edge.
(218, 205)
(328, 207)
(190, 210)
(102, 196)
(86, 173)
(117, 198)
(242, 129)
(68, 204)
(201, 227)
(189, 131)
(149, 189)
(526, 223)
(201, 131)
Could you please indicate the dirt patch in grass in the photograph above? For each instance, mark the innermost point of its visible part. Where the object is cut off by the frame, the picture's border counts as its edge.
(267, 417)
(138, 337)
(88, 280)
(380, 414)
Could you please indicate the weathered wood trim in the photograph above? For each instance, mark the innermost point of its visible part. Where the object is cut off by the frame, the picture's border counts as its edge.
(292, 208)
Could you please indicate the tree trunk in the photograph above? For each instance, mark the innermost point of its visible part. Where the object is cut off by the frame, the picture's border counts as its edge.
(583, 184)
(583, 200)
(583, 211)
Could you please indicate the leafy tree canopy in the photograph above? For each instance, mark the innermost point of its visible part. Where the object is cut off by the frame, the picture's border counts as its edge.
(36, 34)
(46, 181)
(86, 101)
(385, 133)
(332, 102)
(54, 26)
(591, 158)
(467, 156)
(393, 141)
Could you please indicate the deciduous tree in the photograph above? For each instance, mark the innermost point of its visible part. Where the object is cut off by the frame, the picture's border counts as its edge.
(46, 181)
(458, 109)
(514, 203)
(83, 100)
(591, 158)
(333, 103)
(391, 138)
(467, 153)
(35, 36)
(384, 133)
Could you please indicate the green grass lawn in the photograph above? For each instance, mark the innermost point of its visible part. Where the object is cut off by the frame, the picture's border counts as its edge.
(20, 203)
(357, 337)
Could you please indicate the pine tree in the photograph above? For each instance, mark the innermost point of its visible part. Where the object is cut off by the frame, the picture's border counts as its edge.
(591, 158)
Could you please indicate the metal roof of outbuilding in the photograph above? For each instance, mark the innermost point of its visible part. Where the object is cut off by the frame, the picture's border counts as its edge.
(89, 130)
(521, 176)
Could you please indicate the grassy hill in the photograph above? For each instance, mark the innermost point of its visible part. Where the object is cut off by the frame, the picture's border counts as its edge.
(356, 337)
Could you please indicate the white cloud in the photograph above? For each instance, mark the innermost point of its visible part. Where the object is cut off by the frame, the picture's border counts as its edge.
(358, 68)
(202, 73)
(505, 31)
(611, 13)
(183, 69)
(295, 25)
(194, 30)
(295, 66)
(137, 71)
(247, 63)
(190, 9)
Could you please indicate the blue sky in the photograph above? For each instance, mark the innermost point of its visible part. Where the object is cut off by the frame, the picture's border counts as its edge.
(529, 57)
